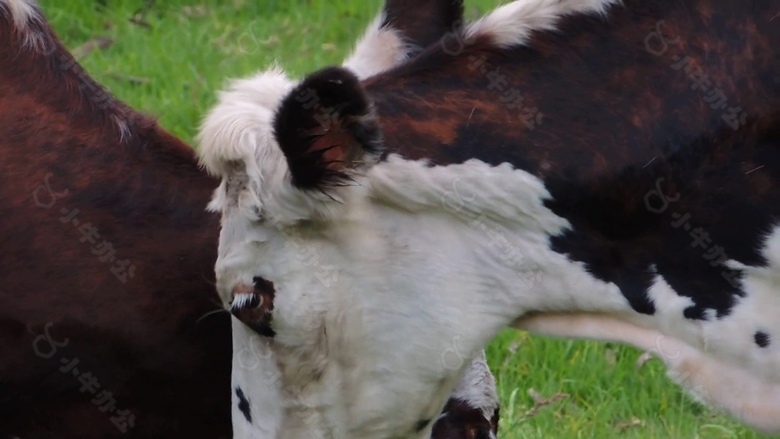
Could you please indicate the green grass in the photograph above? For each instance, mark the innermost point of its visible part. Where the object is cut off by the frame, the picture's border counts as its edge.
(172, 66)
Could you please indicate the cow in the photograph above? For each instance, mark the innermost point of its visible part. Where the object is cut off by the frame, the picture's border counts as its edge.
(603, 169)
(106, 312)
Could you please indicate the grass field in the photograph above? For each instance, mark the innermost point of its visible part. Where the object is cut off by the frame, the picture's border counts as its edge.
(169, 57)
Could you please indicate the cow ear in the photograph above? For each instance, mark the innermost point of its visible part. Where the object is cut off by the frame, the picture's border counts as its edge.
(328, 130)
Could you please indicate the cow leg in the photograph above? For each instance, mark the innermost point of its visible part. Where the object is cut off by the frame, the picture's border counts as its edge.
(711, 381)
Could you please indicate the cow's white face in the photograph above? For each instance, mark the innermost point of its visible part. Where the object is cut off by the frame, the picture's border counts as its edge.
(235, 140)
(309, 265)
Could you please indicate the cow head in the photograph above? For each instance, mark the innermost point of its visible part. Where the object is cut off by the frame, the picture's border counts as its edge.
(305, 247)
(321, 136)
(295, 162)
(296, 158)
(336, 139)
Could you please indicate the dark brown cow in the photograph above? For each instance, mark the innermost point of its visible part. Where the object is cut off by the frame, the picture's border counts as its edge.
(89, 184)
(108, 255)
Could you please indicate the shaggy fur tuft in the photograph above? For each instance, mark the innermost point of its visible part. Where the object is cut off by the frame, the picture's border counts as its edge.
(513, 23)
(23, 14)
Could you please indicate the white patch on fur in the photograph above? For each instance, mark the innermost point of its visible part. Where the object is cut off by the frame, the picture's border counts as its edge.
(513, 23)
(255, 372)
(669, 308)
(379, 49)
(123, 127)
(240, 126)
(477, 387)
(771, 250)
(23, 13)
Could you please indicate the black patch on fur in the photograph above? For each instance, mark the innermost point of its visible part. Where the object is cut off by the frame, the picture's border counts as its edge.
(461, 420)
(762, 339)
(424, 22)
(619, 238)
(262, 329)
(328, 106)
(243, 405)
(494, 420)
(604, 231)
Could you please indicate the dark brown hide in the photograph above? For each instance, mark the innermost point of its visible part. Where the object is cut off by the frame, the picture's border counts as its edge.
(143, 192)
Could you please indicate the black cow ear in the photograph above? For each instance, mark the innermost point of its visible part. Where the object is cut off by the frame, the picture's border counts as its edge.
(327, 129)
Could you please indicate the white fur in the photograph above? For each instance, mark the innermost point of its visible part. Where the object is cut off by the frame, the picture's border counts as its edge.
(123, 127)
(23, 13)
(478, 387)
(513, 23)
(405, 288)
(256, 373)
(242, 121)
(233, 132)
(380, 48)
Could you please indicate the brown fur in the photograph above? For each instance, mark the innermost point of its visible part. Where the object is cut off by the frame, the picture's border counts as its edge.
(616, 80)
(424, 22)
(143, 192)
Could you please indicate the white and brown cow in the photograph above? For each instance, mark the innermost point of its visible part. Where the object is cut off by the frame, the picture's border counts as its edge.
(582, 168)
